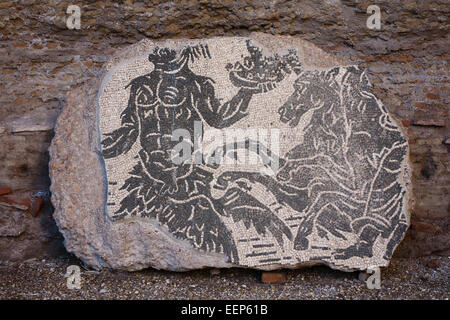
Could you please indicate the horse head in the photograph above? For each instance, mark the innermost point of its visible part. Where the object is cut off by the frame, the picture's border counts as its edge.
(310, 92)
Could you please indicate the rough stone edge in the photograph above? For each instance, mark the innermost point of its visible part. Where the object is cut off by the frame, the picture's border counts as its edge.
(110, 260)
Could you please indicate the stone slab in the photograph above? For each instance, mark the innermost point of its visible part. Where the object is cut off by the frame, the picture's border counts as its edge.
(329, 181)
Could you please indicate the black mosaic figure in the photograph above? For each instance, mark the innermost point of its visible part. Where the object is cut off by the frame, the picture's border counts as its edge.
(349, 162)
(179, 196)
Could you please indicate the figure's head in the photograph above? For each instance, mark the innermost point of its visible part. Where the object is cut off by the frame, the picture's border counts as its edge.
(170, 60)
(163, 58)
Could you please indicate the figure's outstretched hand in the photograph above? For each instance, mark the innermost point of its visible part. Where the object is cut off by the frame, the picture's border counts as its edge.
(258, 73)
(250, 84)
(261, 87)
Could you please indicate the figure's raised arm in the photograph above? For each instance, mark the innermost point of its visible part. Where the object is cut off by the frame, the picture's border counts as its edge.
(216, 114)
(257, 74)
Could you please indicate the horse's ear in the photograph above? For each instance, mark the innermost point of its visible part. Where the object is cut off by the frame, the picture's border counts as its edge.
(364, 80)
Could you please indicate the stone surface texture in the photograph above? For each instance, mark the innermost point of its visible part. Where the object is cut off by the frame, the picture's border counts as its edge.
(42, 60)
(106, 227)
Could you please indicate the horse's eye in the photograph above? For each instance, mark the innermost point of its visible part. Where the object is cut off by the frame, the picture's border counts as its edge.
(142, 98)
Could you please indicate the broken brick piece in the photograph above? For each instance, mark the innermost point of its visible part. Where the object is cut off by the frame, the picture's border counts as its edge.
(18, 203)
(36, 207)
(5, 190)
(273, 277)
(406, 123)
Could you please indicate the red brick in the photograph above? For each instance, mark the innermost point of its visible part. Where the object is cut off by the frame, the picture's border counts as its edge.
(22, 203)
(432, 96)
(36, 207)
(273, 277)
(426, 227)
(406, 123)
(5, 190)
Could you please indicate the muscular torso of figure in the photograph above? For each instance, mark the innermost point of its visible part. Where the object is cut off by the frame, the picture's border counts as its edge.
(164, 103)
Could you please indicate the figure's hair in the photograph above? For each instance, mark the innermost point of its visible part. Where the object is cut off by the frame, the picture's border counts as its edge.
(162, 55)
(196, 52)
(169, 56)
